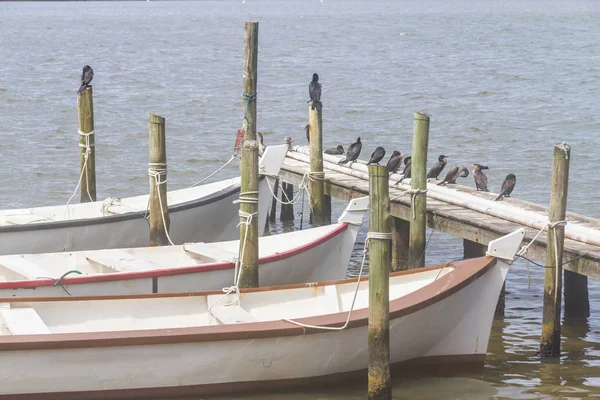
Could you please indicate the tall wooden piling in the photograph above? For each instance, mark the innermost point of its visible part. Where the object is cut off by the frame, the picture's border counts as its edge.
(418, 184)
(379, 269)
(249, 164)
(157, 171)
(316, 184)
(87, 142)
(400, 243)
(550, 341)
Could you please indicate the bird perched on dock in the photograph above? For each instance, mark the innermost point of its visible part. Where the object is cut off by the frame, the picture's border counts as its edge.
(507, 186)
(336, 151)
(288, 140)
(353, 152)
(454, 174)
(394, 162)
(435, 171)
(406, 171)
(261, 146)
(377, 155)
(314, 90)
(86, 77)
(480, 178)
(307, 129)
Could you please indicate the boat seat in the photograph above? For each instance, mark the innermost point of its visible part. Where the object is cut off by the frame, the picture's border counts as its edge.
(206, 250)
(233, 314)
(23, 321)
(120, 261)
(23, 266)
(23, 217)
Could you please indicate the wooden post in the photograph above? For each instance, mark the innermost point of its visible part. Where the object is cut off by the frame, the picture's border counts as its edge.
(87, 160)
(379, 269)
(317, 193)
(273, 210)
(249, 164)
(157, 171)
(577, 298)
(287, 210)
(400, 246)
(550, 341)
(473, 250)
(418, 181)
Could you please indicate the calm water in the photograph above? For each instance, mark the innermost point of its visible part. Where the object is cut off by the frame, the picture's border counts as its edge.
(501, 82)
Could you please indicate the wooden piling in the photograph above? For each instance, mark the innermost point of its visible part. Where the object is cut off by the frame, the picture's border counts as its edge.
(316, 184)
(379, 269)
(287, 210)
(418, 182)
(273, 210)
(577, 298)
(400, 244)
(550, 341)
(87, 161)
(157, 171)
(249, 163)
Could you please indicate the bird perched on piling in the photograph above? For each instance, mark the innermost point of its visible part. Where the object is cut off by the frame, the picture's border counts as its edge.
(507, 186)
(261, 146)
(394, 162)
(454, 174)
(406, 171)
(337, 151)
(86, 77)
(377, 155)
(435, 171)
(353, 152)
(480, 178)
(314, 91)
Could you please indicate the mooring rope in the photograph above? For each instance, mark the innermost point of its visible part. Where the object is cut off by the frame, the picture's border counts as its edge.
(370, 236)
(156, 171)
(86, 154)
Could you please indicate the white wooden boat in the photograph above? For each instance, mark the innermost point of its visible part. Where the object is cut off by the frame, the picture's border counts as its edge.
(303, 256)
(157, 346)
(201, 213)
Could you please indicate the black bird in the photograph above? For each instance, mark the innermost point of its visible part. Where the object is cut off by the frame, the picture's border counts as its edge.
(307, 129)
(261, 146)
(406, 171)
(86, 77)
(377, 155)
(435, 171)
(507, 186)
(454, 174)
(353, 152)
(395, 162)
(314, 90)
(337, 151)
(480, 178)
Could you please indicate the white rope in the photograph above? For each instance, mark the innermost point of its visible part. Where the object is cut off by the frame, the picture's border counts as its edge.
(413, 193)
(370, 236)
(85, 155)
(110, 201)
(219, 169)
(156, 171)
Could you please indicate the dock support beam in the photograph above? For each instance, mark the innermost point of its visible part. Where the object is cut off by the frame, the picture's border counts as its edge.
(379, 268)
(577, 298)
(273, 210)
(157, 172)
(249, 164)
(400, 244)
(87, 160)
(418, 184)
(550, 341)
(286, 212)
(316, 184)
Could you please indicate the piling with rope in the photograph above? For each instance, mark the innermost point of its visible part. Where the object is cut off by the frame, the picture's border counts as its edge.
(316, 184)
(550, 340)
(157, 173)
(286, 213)
(87, 142)
(248, 261)
(379, 236)
(418, 184)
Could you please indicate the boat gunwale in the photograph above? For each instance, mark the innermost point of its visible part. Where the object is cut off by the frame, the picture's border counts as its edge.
(184, 270)
(464, 273)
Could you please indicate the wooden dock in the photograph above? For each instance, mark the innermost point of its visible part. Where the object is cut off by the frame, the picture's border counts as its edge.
(469, 224)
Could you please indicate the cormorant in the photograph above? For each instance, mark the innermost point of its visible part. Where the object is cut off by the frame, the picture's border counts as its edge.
(435, 171)
(406, 171)
(314, 90)
(480, 178)
(337, 151)
(86, 77)
(307, 129)
(507, 186)
(394, 162)
(454, 174)
(353, 152)
(288, 140)
(377, 155)
(261, 146)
